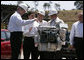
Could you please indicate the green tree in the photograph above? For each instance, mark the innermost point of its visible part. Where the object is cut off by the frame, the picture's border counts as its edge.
(79, 5)
(46, 6)
(36, 4)
(57, 6)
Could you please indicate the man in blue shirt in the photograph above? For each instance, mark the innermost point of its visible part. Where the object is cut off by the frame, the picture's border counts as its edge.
(76, 37)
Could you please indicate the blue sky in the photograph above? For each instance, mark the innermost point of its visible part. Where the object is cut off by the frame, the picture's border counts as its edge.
(67, 5)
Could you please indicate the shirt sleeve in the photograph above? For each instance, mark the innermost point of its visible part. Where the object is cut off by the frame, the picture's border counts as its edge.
(72, 34)
(34, 29)
(36, 39)
(21, 22)
(35, 26)
(62, 21)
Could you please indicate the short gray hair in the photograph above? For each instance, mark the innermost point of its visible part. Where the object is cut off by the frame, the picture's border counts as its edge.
(19, 8)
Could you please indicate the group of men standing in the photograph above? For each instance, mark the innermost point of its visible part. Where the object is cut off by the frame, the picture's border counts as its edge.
(20, 28)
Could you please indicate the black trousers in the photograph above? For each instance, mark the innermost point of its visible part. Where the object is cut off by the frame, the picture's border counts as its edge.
(44, 55)
(16, 40)
(47, 55)
(29, 47)
(78, 44)
(50, 55)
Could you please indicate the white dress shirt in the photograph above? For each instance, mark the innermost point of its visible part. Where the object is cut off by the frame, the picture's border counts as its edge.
(16, 22)
(76, 31)
(33, 31)
(43, 23)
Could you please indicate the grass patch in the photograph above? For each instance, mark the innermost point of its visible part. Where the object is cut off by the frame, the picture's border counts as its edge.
(69, 25)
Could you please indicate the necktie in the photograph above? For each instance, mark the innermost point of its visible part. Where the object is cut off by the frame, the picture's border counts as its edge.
(52, 23)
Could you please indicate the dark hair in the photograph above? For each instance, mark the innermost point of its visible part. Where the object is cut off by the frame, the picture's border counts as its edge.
(29, 13)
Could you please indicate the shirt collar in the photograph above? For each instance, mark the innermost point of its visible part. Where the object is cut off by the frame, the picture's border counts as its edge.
(80, 22)
(17, 13)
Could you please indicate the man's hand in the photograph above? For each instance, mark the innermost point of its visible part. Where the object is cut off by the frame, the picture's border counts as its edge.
(36, 19)
(71, 47)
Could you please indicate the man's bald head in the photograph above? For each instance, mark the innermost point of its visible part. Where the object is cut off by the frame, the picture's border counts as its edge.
(80, 16)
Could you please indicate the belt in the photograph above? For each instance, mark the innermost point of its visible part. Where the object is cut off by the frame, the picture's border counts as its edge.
(79, 38)
(16, 31)
(29, 37)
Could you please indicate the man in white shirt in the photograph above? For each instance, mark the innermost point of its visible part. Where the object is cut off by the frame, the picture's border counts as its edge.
(15, 28)
(30, 31)
(41, 22)
(76, 37)
(55, 21)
